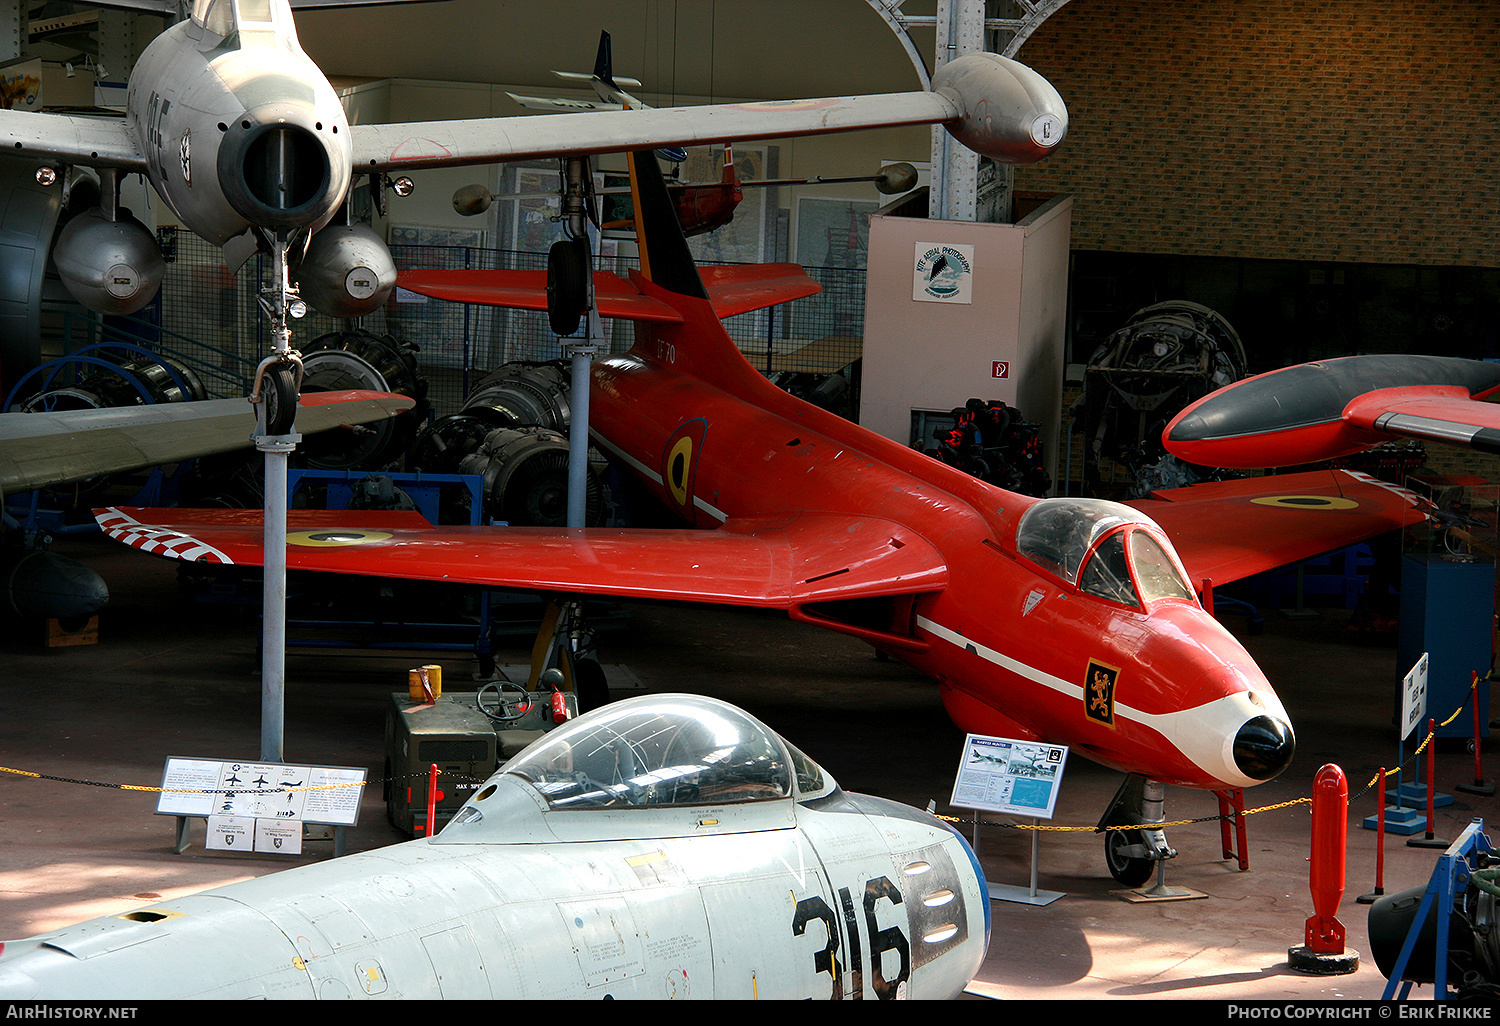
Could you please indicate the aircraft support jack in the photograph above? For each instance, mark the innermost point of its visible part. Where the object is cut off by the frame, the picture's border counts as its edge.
(1133, 855)
(278, 382)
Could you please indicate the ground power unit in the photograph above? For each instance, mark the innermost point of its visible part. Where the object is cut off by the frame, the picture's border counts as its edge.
(467, 735)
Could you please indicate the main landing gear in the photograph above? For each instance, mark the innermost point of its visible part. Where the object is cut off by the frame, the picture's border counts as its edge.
(1134, 855)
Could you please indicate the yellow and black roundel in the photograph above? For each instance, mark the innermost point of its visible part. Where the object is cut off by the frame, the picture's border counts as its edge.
(334, 537)
(1312, 502)
(680, 464)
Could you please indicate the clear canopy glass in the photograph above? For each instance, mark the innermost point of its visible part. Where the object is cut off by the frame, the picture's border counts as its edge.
(662, 751)
(1103, 548)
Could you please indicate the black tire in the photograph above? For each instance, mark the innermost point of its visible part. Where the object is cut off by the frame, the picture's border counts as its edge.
(278, 390)
(1128, 870)
(567, 284)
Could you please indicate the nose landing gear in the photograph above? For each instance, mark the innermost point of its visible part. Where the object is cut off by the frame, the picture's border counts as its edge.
(1133, 855)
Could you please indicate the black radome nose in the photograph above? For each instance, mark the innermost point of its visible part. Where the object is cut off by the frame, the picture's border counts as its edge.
(1264, 747)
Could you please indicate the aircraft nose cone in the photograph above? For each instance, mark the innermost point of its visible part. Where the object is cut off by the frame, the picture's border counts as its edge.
(1264, 747)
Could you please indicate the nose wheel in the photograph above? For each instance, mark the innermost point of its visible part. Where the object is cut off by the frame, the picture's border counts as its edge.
(278, 390)
(1133, 856)
(1127, 855)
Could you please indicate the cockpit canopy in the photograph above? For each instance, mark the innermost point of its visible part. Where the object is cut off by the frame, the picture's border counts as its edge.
(668, 750)
(1103, 548)
(224, 17)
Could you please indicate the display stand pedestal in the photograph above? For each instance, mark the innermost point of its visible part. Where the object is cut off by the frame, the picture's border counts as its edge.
(1024, 895)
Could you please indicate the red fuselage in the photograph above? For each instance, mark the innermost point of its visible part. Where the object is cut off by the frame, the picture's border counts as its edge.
(1156, 687)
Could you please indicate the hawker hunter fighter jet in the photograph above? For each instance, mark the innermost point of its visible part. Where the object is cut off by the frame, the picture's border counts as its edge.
(1072, 621)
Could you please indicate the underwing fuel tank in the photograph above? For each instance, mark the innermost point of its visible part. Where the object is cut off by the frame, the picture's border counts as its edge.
(347, 271)
(110, 266)
(667, 846)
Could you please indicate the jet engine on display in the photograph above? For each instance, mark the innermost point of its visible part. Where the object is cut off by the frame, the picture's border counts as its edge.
(1473, 944)
(1164, 357)
(666, 846)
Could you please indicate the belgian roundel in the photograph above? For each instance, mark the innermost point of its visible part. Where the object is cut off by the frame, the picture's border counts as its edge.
(679, 469)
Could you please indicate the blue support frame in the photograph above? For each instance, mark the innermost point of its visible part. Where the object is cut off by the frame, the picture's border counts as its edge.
(1451, 876)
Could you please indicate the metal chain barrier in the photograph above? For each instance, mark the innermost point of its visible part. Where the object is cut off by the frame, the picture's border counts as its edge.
(1431, 735)
(1375, 780)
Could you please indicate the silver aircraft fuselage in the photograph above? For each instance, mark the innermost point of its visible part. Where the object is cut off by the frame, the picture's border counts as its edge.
(239, 128)
(661, 847)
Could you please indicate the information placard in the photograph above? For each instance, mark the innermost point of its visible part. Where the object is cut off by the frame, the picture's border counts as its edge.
(328, 795)
(1414, 697)
(1003, 775)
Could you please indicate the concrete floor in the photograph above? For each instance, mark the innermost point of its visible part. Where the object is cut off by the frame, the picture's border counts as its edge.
(170, 677)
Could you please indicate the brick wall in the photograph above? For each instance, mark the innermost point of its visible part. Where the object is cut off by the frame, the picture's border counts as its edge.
(1364, 131)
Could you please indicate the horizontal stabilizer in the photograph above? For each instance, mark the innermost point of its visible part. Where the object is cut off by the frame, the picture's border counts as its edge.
(527, 290)
(733, 290)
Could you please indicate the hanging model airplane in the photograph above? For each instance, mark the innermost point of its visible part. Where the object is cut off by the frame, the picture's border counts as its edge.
(665, 846)
(247, 142)
(1065, 620)
(39, 450)
(701, 207)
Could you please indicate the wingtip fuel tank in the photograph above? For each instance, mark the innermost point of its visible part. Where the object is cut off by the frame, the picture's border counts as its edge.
(1007, 110)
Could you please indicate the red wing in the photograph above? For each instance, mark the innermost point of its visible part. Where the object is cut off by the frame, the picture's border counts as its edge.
(527, 290)
(1433, 414)
(732, 290)
(776, 563)
(1228, 530)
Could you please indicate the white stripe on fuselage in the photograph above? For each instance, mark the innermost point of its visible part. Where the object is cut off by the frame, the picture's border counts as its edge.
(652, 476)
(1185, 729)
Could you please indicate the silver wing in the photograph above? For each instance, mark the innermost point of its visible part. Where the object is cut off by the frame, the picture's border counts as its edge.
(41, 449)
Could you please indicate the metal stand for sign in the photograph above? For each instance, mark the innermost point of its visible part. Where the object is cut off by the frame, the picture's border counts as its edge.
(1023, 895)
(1008, 776)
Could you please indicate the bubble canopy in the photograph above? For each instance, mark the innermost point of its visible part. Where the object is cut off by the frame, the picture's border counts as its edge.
(666, 750)
(1103, 548)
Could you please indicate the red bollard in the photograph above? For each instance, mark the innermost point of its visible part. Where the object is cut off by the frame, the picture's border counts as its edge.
(1480, 785)
(1430, 839)
(1324, 952)
(432, 799)
(1369, 899)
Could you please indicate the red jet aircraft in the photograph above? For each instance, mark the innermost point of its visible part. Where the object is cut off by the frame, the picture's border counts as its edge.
(1069, 620)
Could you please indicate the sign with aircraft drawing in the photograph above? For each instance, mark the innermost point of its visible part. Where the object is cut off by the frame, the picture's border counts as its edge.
(943, 273)
(261, 791)
(1001, 775)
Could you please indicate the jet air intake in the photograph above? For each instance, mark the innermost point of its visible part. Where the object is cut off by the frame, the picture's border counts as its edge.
(280, 168)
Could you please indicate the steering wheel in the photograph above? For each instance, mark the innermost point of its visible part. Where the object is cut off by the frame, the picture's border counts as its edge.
(500, 705)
